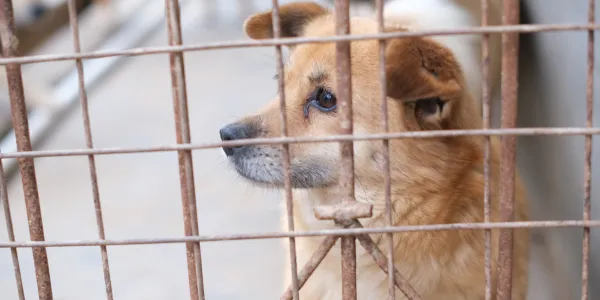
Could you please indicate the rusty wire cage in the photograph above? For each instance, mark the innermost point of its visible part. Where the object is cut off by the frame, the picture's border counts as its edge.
(349, 211)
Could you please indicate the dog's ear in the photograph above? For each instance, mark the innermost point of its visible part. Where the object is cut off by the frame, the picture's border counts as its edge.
(427, 78)
(293, 16)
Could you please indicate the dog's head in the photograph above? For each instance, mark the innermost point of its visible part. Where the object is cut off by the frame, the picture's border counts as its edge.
(424, 86)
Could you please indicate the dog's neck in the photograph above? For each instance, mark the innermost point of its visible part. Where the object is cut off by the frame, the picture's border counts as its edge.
(415, 202)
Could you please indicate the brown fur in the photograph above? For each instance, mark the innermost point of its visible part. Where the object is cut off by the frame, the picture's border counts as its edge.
(433, 181)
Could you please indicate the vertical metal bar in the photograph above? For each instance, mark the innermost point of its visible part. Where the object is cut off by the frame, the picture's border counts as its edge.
(348, 245)
(286, 165)
(344, 95)
(386, 151)
(485, 72)
(27, 168)
(587, 208)
(11, 231)
(186, 171)
(89, 144)
(510, 52)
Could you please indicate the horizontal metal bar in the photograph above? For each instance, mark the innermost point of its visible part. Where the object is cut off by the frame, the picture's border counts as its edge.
(562, 131)
(328, 232)
(294, 41)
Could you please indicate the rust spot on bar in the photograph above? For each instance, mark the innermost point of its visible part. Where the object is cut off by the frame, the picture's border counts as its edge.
(186, 171)
(286, 164)
(26, 165)
(510, 52)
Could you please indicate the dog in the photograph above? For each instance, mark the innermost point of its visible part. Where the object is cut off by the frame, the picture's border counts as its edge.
(432, 84)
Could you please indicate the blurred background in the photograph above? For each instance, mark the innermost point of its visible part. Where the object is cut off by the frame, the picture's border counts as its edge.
(131, 105)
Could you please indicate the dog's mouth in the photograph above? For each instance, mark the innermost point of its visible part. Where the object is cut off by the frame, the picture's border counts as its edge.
(264, 166)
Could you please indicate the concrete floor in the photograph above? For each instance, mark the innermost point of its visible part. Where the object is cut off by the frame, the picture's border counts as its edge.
(140, 192)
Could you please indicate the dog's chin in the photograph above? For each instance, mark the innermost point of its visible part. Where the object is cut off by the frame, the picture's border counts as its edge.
(270, 174)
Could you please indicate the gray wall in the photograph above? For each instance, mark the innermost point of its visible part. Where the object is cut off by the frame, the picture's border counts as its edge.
(553, 94)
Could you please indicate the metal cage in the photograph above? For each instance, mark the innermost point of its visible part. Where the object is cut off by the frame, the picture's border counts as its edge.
(347, 214)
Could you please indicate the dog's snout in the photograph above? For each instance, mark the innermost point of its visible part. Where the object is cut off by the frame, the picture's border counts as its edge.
(235, 131)
(37, 10)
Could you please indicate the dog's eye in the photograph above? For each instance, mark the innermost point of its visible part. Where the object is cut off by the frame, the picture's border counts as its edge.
(322, 99)
(326, 99)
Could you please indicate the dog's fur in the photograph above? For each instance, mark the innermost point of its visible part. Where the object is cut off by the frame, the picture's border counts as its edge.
(432, 84)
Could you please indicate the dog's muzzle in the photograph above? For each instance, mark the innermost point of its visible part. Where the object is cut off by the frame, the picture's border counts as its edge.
(236, 131)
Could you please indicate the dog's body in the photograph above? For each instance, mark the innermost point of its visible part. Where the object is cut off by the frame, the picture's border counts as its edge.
(432, 84)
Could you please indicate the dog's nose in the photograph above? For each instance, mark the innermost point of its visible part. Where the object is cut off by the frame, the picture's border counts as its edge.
(235, 131)
(37, 10)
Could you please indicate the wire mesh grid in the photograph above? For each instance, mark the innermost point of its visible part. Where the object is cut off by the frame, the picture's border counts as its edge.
(346, 214)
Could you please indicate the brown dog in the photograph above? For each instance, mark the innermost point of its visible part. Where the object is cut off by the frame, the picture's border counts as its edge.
(434, 181)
